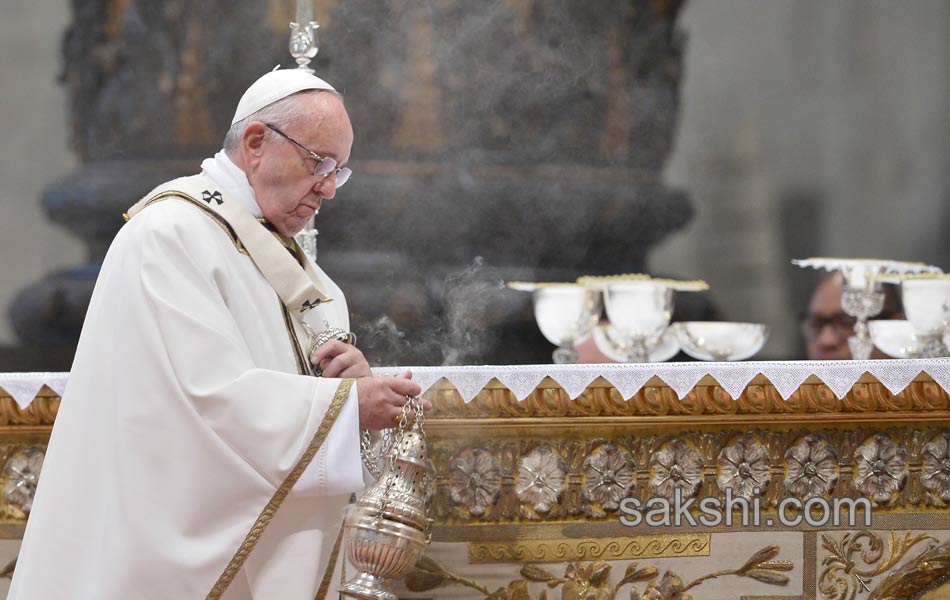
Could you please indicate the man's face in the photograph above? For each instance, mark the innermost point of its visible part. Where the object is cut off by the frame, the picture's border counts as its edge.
(827, 327)
(281, 173)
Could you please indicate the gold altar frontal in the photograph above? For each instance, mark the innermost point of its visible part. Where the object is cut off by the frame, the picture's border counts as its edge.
(553, 497)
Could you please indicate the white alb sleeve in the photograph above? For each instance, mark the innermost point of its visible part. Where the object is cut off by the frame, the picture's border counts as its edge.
(337, 468)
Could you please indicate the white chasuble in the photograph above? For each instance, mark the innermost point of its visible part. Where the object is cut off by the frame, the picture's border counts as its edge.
(183, 415)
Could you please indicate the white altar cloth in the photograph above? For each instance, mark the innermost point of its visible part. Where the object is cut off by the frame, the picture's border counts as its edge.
(786, 376)
(23, 387)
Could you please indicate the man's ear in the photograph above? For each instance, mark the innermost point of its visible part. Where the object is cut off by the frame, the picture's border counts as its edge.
(252, 142)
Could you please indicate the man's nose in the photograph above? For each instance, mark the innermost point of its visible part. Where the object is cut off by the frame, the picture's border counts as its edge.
(326, 186)
(827, 336)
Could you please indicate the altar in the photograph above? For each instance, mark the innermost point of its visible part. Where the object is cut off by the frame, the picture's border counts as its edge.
(817, 480)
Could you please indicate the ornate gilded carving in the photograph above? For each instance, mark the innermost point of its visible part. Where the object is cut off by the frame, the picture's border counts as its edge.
(565, 469)
(811, 467)
(476, 480)
(602, 400)
(40, 412)
(574, 549)
(568, 478)
(880, 468)
(676, 466)
(744, 467)
(843, 577)
(866, 399)
(591, 580)
(935, 460)
(609, 475)
(918, 577)
(540, 478)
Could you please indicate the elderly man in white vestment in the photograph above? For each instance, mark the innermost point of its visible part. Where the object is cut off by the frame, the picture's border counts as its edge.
(191, 408)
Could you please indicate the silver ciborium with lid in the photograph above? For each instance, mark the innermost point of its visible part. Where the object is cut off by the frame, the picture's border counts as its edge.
(386, 530)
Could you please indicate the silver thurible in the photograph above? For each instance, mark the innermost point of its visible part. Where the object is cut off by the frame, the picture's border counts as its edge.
(386, 530)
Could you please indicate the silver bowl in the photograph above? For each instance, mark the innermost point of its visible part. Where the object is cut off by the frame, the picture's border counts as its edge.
(895, 338)
(720, 340)
(611, 344)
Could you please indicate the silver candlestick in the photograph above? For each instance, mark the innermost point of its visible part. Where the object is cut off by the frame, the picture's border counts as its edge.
(303, 43)
(862, 304)
(303, 35)
(303, 47)
(307, 239)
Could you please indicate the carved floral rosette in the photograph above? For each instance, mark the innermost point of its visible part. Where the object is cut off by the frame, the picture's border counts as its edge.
(676, 467)
(540, 479)
(811, 467)
(475, 480)
(21, 472)
(935, 461)
(880, 470)
(609, 475)
(744, 468)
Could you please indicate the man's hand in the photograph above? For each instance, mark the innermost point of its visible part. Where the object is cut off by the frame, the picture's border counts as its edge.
(382, 398)
(337, 359)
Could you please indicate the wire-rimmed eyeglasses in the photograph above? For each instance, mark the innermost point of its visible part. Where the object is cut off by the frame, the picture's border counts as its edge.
(841, 325)
(326, 165)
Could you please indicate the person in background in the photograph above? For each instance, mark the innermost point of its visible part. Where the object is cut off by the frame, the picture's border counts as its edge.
(826, 326)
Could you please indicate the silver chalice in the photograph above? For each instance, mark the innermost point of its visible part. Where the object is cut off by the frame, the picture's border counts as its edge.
(566, 313)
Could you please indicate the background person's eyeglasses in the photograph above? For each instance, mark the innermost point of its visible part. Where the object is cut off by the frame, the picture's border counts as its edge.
(841, 325)
(326, 165)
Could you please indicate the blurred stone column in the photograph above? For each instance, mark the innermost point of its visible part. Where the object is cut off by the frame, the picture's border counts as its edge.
(151, 88)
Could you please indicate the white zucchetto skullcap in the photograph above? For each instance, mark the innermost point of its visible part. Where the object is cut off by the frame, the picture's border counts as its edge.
(274, 86)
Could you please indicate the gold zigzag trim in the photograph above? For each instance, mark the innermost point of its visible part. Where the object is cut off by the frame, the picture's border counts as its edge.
(257, 529)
